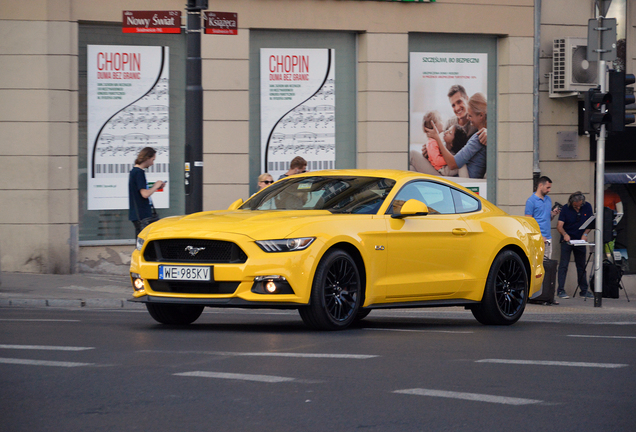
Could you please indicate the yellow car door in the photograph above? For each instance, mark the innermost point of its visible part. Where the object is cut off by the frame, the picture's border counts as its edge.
(426, 254)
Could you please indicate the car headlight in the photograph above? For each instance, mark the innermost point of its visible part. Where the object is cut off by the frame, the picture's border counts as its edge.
(140, 243)
(285, 245)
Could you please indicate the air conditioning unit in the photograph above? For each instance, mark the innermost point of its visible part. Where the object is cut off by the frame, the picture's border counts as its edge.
(571, 71)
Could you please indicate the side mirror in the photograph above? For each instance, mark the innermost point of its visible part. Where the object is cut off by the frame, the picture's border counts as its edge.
(236, 204)
(412, 207)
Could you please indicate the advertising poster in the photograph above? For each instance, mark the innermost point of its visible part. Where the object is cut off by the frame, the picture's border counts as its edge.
(444, 139)
(297, 109)
(128, 100)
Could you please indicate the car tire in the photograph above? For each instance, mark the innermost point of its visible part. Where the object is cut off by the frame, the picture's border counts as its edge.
(362, 314)
(506, 292)
(336, 293)
(174, 314)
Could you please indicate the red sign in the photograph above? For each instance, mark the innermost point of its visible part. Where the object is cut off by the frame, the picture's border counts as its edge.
(151, 22)
(224, 23)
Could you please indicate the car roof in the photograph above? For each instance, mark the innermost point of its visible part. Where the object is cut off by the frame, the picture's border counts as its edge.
(387, 173)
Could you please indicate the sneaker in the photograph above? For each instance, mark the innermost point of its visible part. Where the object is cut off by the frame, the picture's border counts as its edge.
(587, 294)
(563, 295)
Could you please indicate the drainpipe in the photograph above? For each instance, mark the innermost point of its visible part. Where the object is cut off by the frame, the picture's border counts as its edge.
(536, 171)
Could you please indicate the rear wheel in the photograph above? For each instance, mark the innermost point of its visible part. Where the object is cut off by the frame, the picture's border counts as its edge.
(335, 294)
(506, 291)
(174, 314)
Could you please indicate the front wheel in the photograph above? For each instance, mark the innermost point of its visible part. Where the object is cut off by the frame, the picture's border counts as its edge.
(174, 314)
(506, 291)
(335, 294)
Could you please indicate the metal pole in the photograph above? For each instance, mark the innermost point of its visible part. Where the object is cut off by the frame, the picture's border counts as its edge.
(194, 112)
(600, 182)
(536, 170)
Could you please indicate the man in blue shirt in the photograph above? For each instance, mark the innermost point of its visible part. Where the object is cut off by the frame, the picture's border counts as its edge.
(539, 207)
(572, 216)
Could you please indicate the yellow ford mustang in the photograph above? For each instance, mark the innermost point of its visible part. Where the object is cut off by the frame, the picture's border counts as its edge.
(337, 244)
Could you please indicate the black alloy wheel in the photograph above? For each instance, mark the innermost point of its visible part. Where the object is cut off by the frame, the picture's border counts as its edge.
(336, 293)
(506, 291)
(174, 314)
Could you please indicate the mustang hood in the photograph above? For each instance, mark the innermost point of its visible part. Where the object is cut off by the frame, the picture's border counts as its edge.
(258, 225)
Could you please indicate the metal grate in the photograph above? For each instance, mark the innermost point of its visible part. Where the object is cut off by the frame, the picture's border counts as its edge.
(183, 250)
(558, 64)
(193, 287)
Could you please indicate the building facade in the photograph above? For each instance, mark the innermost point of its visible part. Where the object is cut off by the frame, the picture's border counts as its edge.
(391, 64)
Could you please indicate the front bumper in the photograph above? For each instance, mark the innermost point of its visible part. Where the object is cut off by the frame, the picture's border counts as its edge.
(233, 284)
(233, 302)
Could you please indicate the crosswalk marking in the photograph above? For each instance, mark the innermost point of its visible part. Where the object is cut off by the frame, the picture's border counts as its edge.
(421, 331)
(299, 355)
(235, 376)
(603, 337)
(42, 362)
(617, 323)
(554, 363)
(46, 347)
(38, 320)
(469, 396)
(271, 354)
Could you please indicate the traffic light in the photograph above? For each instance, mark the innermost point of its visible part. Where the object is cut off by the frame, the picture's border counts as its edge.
(620, 98)
(593, 116)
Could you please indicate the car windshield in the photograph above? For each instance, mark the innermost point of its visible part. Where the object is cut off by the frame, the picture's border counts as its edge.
(361, 195)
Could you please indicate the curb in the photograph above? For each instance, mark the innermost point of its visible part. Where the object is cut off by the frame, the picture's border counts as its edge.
(71, 303)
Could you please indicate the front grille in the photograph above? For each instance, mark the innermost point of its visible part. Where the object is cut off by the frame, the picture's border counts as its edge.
(179, 250)
(181, 287)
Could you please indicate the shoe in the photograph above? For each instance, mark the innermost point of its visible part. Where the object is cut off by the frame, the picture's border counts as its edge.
(587, 294)
(563, 295)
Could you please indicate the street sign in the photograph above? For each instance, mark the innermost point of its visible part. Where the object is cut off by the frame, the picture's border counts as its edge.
(223, 23)
(601, 39)
(603, 7)
(151, 22)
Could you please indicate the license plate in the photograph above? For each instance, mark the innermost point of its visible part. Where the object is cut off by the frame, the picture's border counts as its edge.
(189, 273)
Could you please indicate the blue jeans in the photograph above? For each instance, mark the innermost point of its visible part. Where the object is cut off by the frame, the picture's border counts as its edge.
(579, 260)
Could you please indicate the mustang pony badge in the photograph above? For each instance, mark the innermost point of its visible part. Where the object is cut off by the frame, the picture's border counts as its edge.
(193, 250)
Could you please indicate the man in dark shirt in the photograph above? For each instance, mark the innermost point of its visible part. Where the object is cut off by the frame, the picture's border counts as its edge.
(298, 165)
(572, 216)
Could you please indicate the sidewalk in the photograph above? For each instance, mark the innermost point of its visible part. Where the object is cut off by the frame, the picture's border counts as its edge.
(76, 290)
(113, 291)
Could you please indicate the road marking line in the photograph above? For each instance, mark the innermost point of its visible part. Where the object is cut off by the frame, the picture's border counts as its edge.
(469, 396)
(607, 337)
(553, 363)
(421, 331)
(271, 354)
(42, 362)
(299, 355)
(234, 376)
(38, 320)
(46, 347)
(617, 323)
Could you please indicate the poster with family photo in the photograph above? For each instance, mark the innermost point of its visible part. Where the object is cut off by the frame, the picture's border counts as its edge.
(448, 122)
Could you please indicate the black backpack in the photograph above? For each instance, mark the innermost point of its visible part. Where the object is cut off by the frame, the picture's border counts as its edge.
(612, 275)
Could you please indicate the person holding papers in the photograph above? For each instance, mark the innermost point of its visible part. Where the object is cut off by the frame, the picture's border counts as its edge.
(572, 216)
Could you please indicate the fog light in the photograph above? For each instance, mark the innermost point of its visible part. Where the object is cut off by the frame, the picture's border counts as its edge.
(270, 286)
(137, 281)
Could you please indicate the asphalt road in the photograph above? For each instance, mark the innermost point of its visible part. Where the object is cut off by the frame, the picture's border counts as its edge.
(235, 370)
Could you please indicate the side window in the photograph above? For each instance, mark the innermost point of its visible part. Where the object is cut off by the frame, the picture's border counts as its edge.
(464, 203)
(436, 196)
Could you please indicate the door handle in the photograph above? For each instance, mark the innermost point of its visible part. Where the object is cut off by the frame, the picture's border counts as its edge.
(460, 231)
